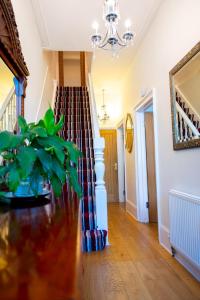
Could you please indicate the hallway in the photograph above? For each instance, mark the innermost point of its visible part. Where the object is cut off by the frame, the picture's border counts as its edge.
(135, 266)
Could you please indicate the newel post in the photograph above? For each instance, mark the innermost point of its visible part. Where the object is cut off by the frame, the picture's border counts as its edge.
(100, 190)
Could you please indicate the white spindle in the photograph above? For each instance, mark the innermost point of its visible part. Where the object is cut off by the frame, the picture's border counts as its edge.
(8, 114)
(187, 122)
(99, 145)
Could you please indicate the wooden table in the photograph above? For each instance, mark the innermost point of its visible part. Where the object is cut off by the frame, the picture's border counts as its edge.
(40, 250)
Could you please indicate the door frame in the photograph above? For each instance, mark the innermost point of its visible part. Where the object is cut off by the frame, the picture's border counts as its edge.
(119, 126)
(140, 157)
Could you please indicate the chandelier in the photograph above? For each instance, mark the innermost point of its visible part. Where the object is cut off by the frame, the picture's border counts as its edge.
(103, 117)
(112, 40)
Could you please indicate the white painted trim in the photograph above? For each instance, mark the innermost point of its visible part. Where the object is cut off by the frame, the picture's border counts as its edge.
(192, 268)
(156, 139)
(41, 24)
(141, 173)
(42, 93)
(141, 169)
(55, 85)
(120, 123)
(93, 108)
(145, 102)
(164, 238)
(131, 209)
(121, 162)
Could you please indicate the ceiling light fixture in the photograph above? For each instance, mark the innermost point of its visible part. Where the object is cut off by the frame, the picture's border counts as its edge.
(103, 117)
(112, 40)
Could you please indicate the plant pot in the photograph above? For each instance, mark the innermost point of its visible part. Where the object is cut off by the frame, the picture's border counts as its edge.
(25, 189)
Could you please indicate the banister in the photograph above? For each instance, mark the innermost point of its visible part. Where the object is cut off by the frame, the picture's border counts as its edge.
(6, 102)
(95, 124)
(187, 120)
(193, 110)
(99, 146)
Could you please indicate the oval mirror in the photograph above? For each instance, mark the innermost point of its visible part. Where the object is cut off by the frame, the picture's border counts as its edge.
(129, 133)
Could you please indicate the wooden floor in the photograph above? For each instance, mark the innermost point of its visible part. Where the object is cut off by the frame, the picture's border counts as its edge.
(135, 266)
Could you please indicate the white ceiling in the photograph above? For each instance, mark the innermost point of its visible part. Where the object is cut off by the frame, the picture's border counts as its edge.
(66, 25)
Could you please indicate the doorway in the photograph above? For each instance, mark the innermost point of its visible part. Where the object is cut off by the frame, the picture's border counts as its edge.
(111, 166)
(146, 155)
(151, 169)
(121, 163)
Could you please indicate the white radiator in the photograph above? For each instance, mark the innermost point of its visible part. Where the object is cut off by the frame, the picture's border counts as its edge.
(184, 213)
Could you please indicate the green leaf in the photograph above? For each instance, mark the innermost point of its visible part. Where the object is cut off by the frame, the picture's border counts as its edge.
(26, 158)
(8, 156)
(41, 124)
(3, 170)
(15, 141)
(56, 185)
(59, 125)
(2, 194)
(73, 180)
(51, 141)
(73, 152)
(60, 154)
(49, 122)
(9, 140)
(13, 178)
(5, 138)
(39, 131)
(59, 170)
(45, 160)
(22, 124)
(35, 178)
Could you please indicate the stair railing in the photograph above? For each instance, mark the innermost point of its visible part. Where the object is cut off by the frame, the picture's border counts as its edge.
(8, 112)
(99, 146)
(185, 128)
(189, 105)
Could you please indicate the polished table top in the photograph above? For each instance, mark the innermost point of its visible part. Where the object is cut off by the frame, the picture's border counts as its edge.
(39, 249)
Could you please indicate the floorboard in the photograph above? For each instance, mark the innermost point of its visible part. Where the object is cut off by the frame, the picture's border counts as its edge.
(135, 266)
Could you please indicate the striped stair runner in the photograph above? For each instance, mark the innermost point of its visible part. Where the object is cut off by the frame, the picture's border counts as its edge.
(73, 103)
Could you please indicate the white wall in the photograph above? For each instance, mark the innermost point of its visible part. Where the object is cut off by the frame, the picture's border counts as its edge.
(33, 55)
(72, 72)
(51, 65)
(174, 31)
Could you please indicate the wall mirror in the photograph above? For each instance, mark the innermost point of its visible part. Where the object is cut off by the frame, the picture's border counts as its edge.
(13, 69)
(129, 133)
(185, 101)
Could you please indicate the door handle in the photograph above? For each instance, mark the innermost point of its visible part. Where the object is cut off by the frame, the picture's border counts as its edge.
(115, 166)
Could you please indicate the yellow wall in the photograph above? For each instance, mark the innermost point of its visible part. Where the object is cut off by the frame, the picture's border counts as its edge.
(6, 81)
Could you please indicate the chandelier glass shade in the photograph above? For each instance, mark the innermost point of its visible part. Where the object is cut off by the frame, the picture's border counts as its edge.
(112, 39)
(103, 116)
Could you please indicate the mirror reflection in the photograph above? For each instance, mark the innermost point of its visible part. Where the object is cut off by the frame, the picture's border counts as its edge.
(129, 133)
(8, 104)
(185, 88)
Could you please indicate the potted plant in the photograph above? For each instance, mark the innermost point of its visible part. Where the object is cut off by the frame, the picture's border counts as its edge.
(37, 154)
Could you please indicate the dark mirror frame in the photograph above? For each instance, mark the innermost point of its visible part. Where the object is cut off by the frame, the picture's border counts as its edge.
(10, 48)
(178, 67)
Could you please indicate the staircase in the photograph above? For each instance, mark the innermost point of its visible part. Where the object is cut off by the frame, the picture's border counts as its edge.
(73, 103)
(8, 112)
(188, 121)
